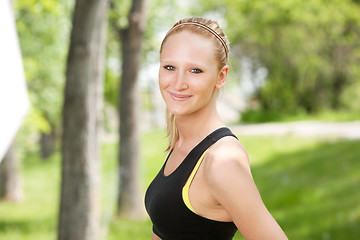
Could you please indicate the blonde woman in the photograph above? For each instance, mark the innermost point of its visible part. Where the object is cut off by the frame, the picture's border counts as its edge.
(205, 189)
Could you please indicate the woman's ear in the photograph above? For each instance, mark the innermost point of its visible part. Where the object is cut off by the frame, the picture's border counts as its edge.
(222, 77)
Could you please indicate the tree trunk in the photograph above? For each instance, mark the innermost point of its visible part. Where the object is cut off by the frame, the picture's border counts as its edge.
(79, 215)
(47, 142)
(129, 195)
(10, 180)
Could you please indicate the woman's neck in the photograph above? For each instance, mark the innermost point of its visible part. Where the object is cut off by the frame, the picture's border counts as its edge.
(195, 127)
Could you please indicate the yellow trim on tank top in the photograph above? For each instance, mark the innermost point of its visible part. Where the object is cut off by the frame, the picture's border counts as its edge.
(185, 190)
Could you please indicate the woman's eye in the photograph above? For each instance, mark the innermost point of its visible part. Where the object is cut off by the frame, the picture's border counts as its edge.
(196, 70)
(168, 67)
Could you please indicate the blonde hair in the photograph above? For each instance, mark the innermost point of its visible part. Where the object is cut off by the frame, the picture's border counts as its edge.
(209, 29)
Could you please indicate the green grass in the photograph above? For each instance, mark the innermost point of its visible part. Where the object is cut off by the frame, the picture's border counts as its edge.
(309, 185)
(314, 191)
(34, 217)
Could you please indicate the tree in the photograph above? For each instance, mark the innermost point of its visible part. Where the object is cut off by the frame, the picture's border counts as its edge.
(310, 50)
(131, 38)
(43, 28)
(80, 194)
(10, 179)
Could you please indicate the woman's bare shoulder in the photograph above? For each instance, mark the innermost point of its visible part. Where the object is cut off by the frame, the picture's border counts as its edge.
(227, 173)
(227, 152)
(227, 163)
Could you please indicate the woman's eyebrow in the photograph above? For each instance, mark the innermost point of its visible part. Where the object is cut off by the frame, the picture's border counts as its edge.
(194, 64)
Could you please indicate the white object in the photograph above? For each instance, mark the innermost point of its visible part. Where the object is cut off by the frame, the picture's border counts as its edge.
(14, 101)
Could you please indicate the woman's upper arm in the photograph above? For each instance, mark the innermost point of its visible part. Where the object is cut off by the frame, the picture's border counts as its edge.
(233, 187)
(155, 237)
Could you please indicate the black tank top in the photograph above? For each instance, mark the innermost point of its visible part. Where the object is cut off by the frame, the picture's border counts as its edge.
(171, 218)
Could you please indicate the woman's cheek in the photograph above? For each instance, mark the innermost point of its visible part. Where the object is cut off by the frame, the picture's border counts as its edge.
(164, 81)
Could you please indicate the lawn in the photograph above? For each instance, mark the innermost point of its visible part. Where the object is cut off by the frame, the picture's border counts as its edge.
(309, 185)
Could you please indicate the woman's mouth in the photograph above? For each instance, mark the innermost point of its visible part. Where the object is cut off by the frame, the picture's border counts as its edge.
(180, 97)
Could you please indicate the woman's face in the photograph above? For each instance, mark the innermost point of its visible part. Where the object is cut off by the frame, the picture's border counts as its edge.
(189, 75)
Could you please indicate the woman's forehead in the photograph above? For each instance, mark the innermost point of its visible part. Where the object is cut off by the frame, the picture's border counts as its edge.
(188, 44)
(190, 36)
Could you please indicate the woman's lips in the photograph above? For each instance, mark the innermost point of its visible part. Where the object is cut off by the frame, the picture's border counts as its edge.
(179, 97)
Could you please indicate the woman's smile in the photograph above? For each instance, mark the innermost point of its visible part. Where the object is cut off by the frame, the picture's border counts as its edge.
(179, 97)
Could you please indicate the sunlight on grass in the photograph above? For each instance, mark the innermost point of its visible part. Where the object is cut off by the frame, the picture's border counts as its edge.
(313, 191)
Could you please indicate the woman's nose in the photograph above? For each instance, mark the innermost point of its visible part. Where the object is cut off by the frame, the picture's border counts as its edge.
(180, 81)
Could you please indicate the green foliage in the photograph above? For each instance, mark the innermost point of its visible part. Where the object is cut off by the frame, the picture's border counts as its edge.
(255, 116)
(310, 49)
(111, 87)
(118, 13)
(43, 29)
(37, 117)
(351, 97)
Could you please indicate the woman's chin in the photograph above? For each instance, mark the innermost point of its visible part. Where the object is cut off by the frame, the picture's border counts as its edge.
(178, 110)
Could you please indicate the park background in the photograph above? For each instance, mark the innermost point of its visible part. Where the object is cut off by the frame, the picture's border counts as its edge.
(290, 61)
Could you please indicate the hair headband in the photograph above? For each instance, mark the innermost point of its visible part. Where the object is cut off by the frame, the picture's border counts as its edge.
(205, 27)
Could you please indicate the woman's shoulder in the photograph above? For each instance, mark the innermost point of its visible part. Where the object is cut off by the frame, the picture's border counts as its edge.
(227, 149)
(225, 158)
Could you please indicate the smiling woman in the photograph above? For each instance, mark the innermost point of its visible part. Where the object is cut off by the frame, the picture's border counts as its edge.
(205, 189)
(188, 75)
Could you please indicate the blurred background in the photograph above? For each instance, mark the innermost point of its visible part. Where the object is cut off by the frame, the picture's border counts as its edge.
(292, 97)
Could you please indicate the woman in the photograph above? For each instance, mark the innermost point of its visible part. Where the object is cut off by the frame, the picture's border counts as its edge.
(205, 189)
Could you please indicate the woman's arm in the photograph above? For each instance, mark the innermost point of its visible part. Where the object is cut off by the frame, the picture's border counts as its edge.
(233, 187)
(155, 237)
